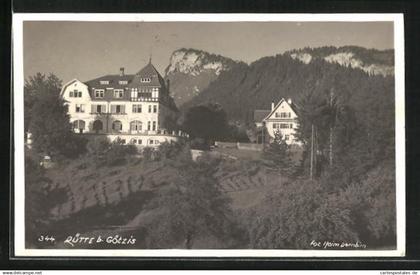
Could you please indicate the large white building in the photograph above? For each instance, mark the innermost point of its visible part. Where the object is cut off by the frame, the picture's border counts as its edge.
(282, 118)
(132, 107)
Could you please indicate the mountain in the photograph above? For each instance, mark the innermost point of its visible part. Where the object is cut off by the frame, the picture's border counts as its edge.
(371, 61)
(190, 71)
(246, 88)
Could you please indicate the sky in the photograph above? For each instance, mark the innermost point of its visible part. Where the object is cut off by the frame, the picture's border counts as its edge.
(86, 50)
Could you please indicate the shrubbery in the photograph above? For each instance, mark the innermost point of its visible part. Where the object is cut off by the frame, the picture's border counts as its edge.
(104, 152)
(191, 207)
(306, 210)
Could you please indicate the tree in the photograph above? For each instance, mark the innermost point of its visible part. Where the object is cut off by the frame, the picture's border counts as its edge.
(35, 210)
(47, 119)
(277, 153)
(191, 207)
(314, 127)
(206, 121)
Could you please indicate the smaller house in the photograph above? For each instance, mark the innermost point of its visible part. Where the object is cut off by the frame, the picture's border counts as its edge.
(282, 118)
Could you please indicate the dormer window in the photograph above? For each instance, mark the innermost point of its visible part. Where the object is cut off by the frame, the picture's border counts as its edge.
(104, 82)
(99, 93)
(145, 79)
(123, 82)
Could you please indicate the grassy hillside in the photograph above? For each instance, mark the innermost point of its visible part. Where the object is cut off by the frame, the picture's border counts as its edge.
(132, 199)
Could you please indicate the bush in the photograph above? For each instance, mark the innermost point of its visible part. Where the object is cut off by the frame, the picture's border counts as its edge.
(108, 153)
(191, 208)
(148, 153)
(298, 214)
(119, 152)
(169, 150)
(199, 144)
(372, 205)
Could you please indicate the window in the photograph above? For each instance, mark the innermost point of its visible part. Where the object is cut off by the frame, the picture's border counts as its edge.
(275, 125)
(291, 126)
(118, 93)
(136, 108)
(148, 126)
(118, 109)
(151, 141)
(150, 108)
(75, 93)
(99, 93)
(104, 82)
(156, 141)
(79, 125)
(133, 141)
(98, 109)
(284, 126)
(97, 126)
(117, 126)
(286, 137)
(154, 126)
(145, 79)
(154, 108)
(123, 82)
(133, 93)
(285, 115)
(140, 141)
(80, 108)
(136, 126)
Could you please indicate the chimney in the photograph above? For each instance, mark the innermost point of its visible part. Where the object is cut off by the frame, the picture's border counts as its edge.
(122, 71)
(272, 106)
(289, 100)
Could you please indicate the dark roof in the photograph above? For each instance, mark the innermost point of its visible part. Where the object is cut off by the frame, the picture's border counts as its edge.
(294, 107)
(149, 71)
(259, 115)
(113, 81)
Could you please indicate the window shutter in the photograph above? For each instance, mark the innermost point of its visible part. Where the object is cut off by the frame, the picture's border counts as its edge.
(123, 109)
(113, 109)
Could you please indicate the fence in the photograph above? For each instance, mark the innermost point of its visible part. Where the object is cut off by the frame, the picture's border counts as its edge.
(239, 145)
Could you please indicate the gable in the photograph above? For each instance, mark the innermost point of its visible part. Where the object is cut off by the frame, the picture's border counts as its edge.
(71, 87)
(282, 107)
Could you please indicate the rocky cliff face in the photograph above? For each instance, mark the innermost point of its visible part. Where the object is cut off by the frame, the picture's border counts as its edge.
(190, 71)
(372, 62)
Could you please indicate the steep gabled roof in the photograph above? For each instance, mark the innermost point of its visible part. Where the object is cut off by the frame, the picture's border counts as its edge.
(69, 83)
(149, 71)
(293, 106)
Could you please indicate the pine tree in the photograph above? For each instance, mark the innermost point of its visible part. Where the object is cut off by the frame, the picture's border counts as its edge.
(278, 155)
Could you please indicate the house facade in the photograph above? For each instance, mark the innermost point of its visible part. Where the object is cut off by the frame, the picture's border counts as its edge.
(133, 107)
(281, 118)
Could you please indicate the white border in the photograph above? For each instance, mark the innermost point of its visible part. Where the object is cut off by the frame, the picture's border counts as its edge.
(18, 75)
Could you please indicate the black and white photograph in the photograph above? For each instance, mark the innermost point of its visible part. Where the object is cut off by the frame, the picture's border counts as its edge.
(209, 135)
